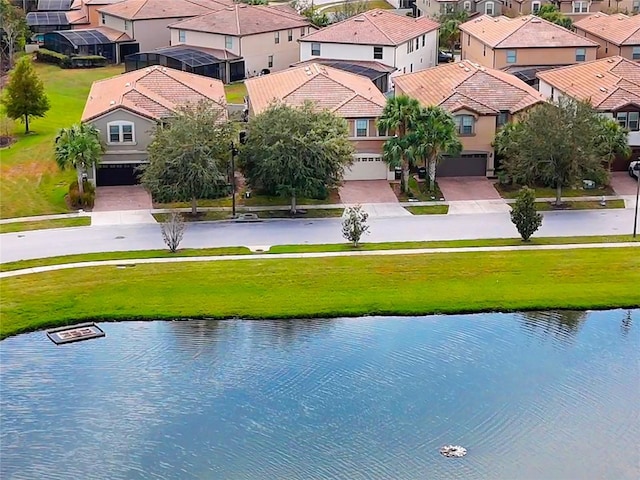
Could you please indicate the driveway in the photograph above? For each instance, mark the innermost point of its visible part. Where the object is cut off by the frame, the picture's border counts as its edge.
(457, 189)
(367, 191)
(130, 197)
(623, 184)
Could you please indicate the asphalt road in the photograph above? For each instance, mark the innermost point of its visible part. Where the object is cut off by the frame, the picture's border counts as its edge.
(46, 243)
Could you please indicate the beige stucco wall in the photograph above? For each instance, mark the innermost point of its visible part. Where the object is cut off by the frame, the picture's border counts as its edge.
(476, 51)
(205, 40)
(123, 153)
(607, 49)
(152, 34)
(542, 56)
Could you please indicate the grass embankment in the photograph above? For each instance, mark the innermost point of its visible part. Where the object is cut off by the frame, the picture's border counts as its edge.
(428, 210)
(235, 92)
(511, 191)
(31, 183)
(579, 205)
(371, 5)
(338, 247)
(326, 287)
(44, 224)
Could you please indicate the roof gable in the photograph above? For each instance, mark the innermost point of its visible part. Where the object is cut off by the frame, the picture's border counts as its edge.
(618, 29)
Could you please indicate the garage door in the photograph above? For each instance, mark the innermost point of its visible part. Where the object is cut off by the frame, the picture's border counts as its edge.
(466, 165)
(367, 168)
(117, 174)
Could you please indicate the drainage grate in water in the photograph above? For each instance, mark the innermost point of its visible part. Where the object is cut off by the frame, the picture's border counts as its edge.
(74, 333)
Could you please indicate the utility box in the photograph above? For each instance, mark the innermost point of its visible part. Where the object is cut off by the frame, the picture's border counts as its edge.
(588, 184)
(422, 173)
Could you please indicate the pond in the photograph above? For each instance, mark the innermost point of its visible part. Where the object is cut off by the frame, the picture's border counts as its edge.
(531, 396)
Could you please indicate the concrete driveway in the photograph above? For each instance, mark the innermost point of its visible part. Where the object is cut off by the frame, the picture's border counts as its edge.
(129, 197)
(623, 184)
(367, 191)
(457, 189)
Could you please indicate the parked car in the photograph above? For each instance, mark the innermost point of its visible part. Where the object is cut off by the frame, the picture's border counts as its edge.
(444, 57)
(634, 169)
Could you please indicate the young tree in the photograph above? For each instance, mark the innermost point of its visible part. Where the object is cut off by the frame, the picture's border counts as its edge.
(24, 95)
(78, 147)
(400, 115)
(612, 140)
(354, 224)
(554, 144)
(449, 33)
(173, 231)
(435, 135)
(311, 12)
(295, 151)
(13, 30)
(524, 215)
(551, 13)
(349, 9)
(189, 155)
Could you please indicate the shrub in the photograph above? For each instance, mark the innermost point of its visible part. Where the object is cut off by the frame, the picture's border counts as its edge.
(85, 200)
(354, 224)
(524, 215)
(49, 56)
(88, 61)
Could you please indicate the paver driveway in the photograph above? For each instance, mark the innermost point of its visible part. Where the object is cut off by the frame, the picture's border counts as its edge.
(623, 184)
(367, 191)
(130, 197)
(467, 188)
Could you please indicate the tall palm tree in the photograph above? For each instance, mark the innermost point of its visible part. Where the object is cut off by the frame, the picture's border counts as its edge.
(78, 147)
(435, 135)
(612, 140)
(399, 115)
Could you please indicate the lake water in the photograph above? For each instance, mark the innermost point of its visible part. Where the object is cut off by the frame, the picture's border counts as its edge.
(544, 396)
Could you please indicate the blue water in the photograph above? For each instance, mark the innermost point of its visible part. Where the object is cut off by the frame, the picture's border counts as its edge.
(544, 396)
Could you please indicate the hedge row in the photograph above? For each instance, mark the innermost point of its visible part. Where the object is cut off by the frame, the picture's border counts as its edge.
(65, 61)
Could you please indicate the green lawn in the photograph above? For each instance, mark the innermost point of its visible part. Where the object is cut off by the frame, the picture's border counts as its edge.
(371, 4)
(428, 210)
(419, 190)
(511, 191)
(325, 287)
(235, 92)
(579, 205)
(43, 224)
(208, 216)
(31, 182)
(255, 200)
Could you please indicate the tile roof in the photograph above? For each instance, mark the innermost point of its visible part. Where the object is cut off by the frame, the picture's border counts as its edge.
(77, 17)
(610, 82)
(528, 31)
(242, 19)
(150, 9)
(344, 93)
(152, 92)
(465, 84)
(618, 29)
(111, 34)
(375, 27)
(337, 63)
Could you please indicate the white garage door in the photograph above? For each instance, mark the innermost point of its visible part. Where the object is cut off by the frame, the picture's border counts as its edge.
(367, 168)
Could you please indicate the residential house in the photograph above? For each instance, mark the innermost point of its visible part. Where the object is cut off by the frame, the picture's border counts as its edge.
(265, 38)
(611, 84)
(616, 34)
(514, 8)
(351, 96)
(522, 45)
(405, 43)
(437, 8)
(378, 73)
(126, 108)
(480, 99)
(578, 9)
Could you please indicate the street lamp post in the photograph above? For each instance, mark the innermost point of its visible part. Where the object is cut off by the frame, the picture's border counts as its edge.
(234, 152)
(636, 169)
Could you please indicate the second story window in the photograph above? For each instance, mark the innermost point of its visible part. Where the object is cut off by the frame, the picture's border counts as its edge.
(466, 6)
(581, 54)
(127, 25)
(315, 49)
(182, 36)
(636, 53)
(121, 132)
(636, 6)
(270, 61)
(511, 56)
(580, 7)
(228, 43)
(277, 37)
(377, 53)
(465, 124)
(102, 19)
(489, 8)
(290, 35)
(535, 7)
(362, 127)
(629, 120)
(503, 118)
(302, 31)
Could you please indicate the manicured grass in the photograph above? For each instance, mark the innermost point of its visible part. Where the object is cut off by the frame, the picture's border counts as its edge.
(235, 92)
(206, 216)
(31, 183)
(255, 200)
(579, 205)
(311, 213)
(325, 287)
(511, 191)
(429, 210)
(371, 5)
(44, 224)
(419, 190)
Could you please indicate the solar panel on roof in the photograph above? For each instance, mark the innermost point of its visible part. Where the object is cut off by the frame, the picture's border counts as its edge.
(46, 18)
(85, 37)
(54, 5)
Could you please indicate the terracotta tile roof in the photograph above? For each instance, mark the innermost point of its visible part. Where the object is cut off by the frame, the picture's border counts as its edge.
(336, 63)
(77, 17)
(344, 93)
(150, 9)
(152, 92)
(618, 29)
(101, 2)
(609, 83)
(111, 34)
(528, 31)
(242, 19)
(468, 85)
(375, 27)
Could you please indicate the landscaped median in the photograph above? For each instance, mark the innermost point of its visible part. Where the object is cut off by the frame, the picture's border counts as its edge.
(44, 224)
(325, 287)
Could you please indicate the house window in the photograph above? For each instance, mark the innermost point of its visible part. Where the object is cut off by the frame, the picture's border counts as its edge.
(465, 124)
(535, 7)
(636, 53)
(467, 6)
(228, 43)
(377, 53)
(503, 118)
(424, 39)
(417, 43)
(636, 6)
(102, 19)
(629, 120)
(315, 49)
(290, 35)
(581, 7)
(182, 36)
(581, 54)
(270, 61)
(410, 46)
(382, 132)
(121, 132)
(511, 56)
(302, 31)
(127, 25)
(277, 37)
(362, 127)
(489, 8)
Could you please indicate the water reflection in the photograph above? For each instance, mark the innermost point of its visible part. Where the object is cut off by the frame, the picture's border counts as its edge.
(562, 325)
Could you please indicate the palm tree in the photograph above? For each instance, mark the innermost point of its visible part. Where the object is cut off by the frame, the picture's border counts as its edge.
(435, 135)
(399, 116)
(78, 146)
(449, 32)
(612, 140)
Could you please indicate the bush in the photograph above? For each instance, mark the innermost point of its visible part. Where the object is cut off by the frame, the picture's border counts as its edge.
(85, 200)
(524, 215)
(49, 56)
(65, 61)
(88, 61)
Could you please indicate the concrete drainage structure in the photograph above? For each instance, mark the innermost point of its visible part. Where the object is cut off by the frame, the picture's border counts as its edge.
(453, 451)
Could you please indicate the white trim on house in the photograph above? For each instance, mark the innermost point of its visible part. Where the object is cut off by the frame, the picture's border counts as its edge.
(122, 132)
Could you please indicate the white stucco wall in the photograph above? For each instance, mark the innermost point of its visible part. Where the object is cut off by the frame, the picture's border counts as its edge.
(420, 58)
(342, 51)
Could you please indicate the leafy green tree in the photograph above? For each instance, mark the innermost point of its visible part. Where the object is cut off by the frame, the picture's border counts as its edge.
(400, 115)
(79, 147)
(524, 214)
(551, 13)
(295, 151)
(553, 144)
(612, 140)
(189, 155)
(311, 12)
(354, 224)
(13, 32)
(435, 135)
(449, 33)
(349, 9)
(24, 95)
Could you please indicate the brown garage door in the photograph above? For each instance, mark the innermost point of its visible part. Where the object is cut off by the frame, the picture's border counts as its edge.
(466, 165)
